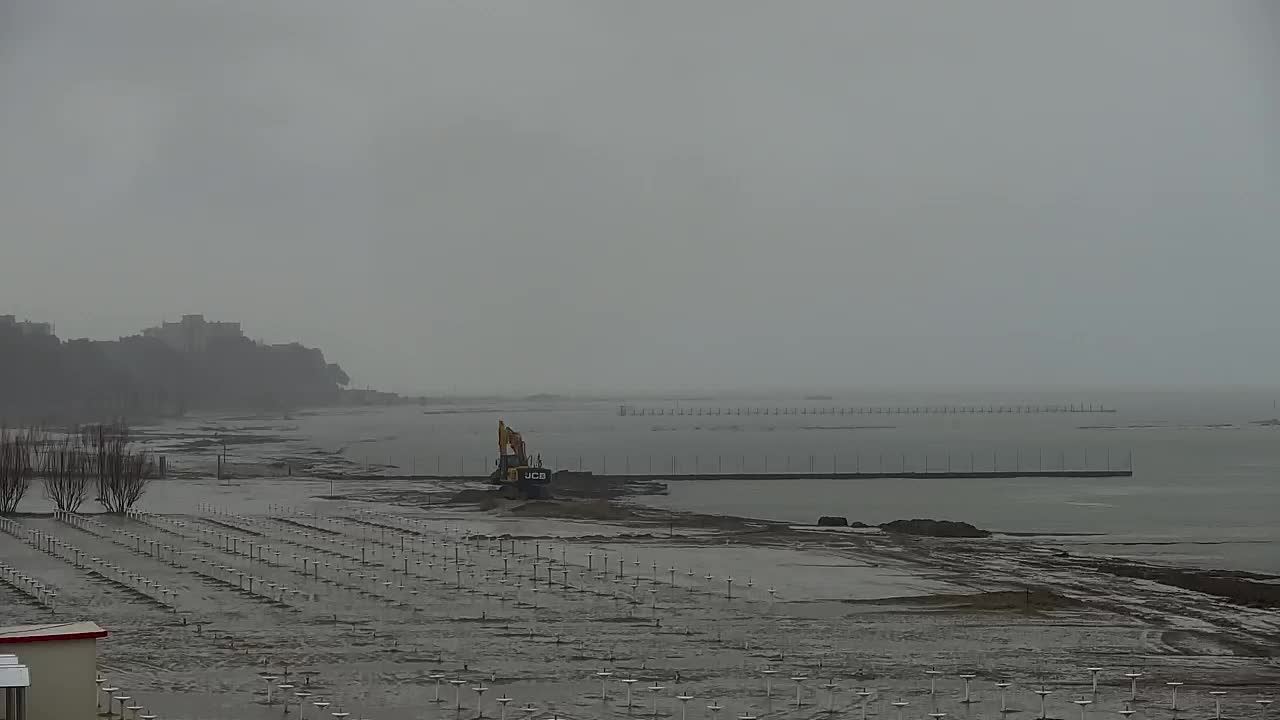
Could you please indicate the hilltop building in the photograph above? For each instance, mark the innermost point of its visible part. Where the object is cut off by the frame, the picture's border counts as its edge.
(193, 333)
(26, 327)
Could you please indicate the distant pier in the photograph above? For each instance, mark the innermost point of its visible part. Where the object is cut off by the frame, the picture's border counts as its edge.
(637, 411)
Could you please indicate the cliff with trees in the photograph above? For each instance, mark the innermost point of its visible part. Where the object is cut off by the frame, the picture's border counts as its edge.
(162, 372)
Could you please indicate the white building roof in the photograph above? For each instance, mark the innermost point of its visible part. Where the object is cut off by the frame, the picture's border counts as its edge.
(51, 631)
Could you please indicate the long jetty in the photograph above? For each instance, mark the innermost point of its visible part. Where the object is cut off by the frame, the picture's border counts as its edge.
(872, 475)
(992, 463)
(636, 411)
(679, 475)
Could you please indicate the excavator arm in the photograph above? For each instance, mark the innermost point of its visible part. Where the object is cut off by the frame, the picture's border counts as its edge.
(513, 463)
(508, 438)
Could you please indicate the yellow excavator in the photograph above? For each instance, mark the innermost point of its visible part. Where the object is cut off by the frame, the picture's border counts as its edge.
(518, 477)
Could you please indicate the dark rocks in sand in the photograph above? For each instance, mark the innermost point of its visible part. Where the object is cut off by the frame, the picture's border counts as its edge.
(934, 528)
(833, 521)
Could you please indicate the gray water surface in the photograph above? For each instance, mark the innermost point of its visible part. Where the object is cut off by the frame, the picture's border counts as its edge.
(1205, 470)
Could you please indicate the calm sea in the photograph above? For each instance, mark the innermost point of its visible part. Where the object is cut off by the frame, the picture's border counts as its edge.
(1206, 489)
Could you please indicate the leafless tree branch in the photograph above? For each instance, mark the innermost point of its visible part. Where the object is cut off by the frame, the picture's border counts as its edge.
(19, 454)
(65, 473)
(121, 472)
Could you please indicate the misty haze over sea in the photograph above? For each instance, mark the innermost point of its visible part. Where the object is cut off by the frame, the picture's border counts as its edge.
(591, 199)
(1204, 491)
(601, 197)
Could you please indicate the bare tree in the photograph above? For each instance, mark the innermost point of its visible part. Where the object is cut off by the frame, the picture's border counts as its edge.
(138, 471)
(65, 473)
(122, 473)
(106, 443)
(19, 450)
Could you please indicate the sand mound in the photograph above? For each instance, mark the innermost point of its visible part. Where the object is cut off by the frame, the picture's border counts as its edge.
(935, 528)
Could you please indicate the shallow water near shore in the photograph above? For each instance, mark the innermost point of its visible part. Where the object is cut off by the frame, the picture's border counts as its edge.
(1203, 491)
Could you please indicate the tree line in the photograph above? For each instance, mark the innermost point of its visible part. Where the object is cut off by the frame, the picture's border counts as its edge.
(44, 378)
(102, 458)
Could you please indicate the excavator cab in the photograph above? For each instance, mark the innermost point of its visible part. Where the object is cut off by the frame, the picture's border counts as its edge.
(514, 473)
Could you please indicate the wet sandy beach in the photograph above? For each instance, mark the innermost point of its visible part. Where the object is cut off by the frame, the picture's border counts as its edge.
(532, 607)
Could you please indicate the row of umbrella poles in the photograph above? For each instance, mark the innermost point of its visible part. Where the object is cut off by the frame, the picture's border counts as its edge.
(24, 584)
(246, 582)
(1043, 693)
(126, 579)
(1084, 702)
(258, 523)
(216, 570)
(208, 569)
(158, 592)
(110, 696)
(472, 542)
(301, 694)
(696, 580)
(48, 543)
(1003, 686)
(371, 577)
(255, 552)
(338, 570)
(407, 560)
(238, 578)
(600, 570)
(112, 701)
(287, 692)
(414, 531)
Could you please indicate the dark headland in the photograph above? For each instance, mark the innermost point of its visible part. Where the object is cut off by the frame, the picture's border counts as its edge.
(165, 371)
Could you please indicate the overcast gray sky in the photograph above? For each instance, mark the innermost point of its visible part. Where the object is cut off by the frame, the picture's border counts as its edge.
(583, 195)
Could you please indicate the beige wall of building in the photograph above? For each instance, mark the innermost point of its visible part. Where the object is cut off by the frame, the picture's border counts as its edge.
(62, 678)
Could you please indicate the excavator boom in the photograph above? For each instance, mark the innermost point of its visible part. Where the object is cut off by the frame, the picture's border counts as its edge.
(514, 469)
(508, 438)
